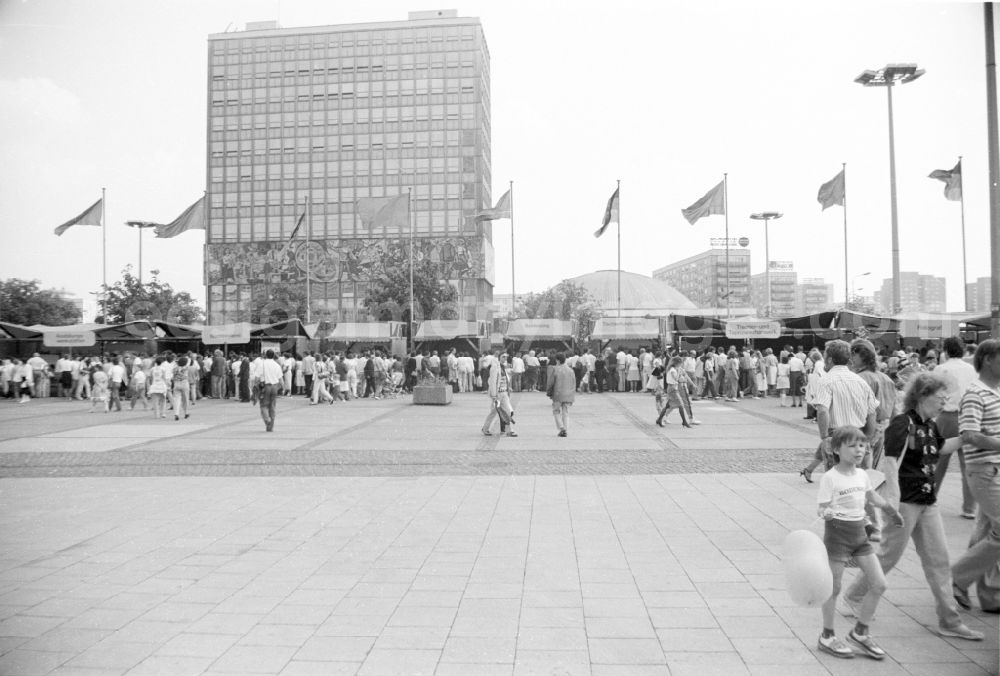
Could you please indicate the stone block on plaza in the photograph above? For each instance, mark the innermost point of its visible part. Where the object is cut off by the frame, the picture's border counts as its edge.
(432, 395)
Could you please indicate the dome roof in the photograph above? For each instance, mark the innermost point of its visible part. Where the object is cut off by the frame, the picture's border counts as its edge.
(640, 294)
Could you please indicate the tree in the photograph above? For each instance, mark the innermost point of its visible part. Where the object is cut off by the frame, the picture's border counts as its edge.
(128, 300)
(388, 298)
(24, 302)
(565, 300)
(860, 304)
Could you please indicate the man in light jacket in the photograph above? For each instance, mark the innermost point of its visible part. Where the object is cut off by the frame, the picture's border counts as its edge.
(561, 389)
(498, 384)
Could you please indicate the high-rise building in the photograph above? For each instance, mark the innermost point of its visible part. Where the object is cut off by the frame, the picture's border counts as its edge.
(783, 298)
(978, 295)
(702, 278)
(919, 293)
(813, 295)
(333, 114)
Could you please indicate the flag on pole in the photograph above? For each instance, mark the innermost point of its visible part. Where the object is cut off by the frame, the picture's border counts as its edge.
(193, 218)
(610, 214)
(298, 224)
(501, 210)
(91, 216)
(952, 182)
(712, 204)
(832, 192)
(384, 212)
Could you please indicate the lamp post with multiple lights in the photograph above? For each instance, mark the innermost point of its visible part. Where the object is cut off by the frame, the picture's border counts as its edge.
(893, 73)
(767, 217)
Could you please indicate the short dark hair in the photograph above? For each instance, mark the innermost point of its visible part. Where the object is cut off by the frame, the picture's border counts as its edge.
(987, 349)
(269, 354)
(953, 347)
(561, 358)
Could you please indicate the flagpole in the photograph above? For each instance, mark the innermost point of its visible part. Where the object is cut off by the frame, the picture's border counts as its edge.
(104, 256)
(725, 199)
(961, 203)
(513, 289)
(618, 188)
(409, 214)
(847, 299)
(308, 263)
(140, 254)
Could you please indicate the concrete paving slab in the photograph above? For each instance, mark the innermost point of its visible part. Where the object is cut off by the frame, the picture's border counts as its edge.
(647, 552)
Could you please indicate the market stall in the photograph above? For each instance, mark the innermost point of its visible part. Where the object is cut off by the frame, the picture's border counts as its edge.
(523, 335)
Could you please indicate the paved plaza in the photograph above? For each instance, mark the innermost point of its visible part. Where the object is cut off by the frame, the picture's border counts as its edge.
(378, 537)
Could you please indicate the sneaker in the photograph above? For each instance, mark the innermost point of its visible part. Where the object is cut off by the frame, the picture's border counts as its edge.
(961, 631)
(694, 422)
(867, 645)
(562, 433)
(961, 596)
(834, 646)
(512, 433)
(487, 433)
(968, 515)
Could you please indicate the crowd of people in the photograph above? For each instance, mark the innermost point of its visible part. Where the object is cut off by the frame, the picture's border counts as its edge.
(904, 415)
(901, 413)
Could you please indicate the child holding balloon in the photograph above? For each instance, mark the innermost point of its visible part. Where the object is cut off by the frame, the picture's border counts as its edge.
(843, 493)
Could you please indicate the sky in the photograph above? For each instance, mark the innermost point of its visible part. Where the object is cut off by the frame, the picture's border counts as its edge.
(665, 96)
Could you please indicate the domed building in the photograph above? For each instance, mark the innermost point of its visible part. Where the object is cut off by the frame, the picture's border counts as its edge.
(640, 295)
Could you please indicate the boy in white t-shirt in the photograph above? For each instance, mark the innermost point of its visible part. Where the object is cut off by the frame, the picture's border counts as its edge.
(843, 492)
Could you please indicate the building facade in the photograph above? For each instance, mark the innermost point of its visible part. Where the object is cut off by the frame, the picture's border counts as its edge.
(783, 298)
(306, 121)
(977, 295)
(813, 295)
(919, 293)
(702, 278)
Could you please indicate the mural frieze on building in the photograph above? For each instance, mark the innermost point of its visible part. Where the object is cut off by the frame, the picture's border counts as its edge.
(343, 260)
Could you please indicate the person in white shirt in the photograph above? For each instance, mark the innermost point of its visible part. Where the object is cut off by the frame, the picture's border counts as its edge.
(6, 372)
(451, 361)
(117, 377)
(517, 372)
(957, 374)
(621, 365)
(270, 376)
(38, 368)
(466, 369)
(255, 371)
(531, 371)
(137, 390)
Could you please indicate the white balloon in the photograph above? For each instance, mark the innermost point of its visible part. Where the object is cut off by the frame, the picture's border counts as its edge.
(807, 569)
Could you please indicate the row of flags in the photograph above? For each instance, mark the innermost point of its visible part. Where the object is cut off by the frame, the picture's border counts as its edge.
(394, 211)
(831, 193)
(834, 191)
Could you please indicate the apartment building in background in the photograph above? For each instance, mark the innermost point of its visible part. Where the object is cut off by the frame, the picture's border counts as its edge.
(918, 293)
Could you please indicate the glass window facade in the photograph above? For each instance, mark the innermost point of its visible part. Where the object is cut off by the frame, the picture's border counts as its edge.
(327, 116)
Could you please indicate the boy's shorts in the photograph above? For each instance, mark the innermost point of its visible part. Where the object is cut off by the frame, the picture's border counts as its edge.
(845, 540)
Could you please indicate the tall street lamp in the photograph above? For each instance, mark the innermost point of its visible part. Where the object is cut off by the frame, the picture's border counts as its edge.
(886, 77)
(767, 217)
(863, 274)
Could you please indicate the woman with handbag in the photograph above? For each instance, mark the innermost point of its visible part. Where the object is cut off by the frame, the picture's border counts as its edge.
(913, 447)
(673, 383)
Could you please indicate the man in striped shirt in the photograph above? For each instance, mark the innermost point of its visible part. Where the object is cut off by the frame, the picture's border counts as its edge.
(979, 425)
(842, 397)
